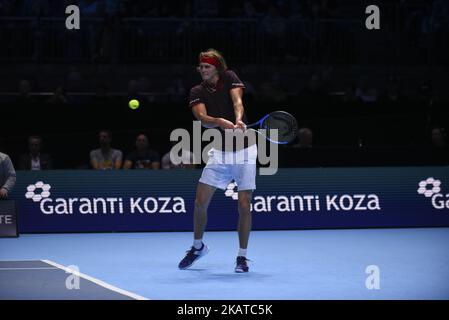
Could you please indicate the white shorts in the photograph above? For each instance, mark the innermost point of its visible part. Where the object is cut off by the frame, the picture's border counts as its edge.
(223, 167)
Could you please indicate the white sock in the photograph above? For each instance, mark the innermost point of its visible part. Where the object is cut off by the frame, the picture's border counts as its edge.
(198, 243)
(242, 252)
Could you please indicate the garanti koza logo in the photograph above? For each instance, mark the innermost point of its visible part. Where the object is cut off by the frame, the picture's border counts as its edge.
(40, 193)
(309, 202)
(431, 188)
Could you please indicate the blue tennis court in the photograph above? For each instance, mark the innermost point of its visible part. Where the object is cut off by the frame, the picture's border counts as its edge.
(290, 265)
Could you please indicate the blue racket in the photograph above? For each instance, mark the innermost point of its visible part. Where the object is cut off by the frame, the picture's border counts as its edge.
(282, 121)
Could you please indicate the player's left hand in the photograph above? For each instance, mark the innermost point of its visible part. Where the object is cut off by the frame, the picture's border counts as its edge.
(240, 125)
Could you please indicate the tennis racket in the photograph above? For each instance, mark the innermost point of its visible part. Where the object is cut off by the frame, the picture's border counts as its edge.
(282, 121)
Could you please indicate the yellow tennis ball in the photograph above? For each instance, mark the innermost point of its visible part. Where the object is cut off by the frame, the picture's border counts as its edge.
(134, 104)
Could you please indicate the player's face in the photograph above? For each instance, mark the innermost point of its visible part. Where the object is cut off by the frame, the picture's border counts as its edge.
(207, 71)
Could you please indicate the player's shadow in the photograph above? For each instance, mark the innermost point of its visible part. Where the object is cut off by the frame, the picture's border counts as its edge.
(196, 269)
(232, 276)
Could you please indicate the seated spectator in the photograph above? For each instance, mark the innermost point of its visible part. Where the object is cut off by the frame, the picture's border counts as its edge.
(34, 159)
(305, 138)
(25, 98)
(7, 176)
(59, 96)
(439, 138)
(187, 160)
(143, 157)
(106, 157)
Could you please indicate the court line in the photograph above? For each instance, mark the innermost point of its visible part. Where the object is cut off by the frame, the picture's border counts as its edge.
(43, 268)
(96, 281)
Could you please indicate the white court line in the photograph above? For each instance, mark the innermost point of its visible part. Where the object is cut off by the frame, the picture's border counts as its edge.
(96, 281)
(28, 268)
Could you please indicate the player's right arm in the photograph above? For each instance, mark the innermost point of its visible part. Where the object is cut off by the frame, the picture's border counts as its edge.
(200, 112)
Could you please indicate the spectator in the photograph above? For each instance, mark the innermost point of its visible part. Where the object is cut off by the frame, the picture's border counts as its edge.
(439, 137)
(34, 159)
(25, 96)
(143, 157)
(7, 176)
(58, 97)
(106, 157)
(187, 160)
(305, 138)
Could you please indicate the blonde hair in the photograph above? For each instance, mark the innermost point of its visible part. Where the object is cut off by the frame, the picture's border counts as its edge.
(213, 53)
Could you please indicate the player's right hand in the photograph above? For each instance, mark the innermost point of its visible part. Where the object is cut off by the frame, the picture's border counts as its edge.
(225, 124)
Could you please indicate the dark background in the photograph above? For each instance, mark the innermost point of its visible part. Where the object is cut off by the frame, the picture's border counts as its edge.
(371, 97)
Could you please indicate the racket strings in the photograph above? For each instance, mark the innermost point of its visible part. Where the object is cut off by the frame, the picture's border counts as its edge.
(285, 125)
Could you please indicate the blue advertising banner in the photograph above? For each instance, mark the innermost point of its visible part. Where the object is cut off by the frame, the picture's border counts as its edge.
(300, 198)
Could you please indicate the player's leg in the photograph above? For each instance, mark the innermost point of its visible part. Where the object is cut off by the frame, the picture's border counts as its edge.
(204, 194)
(244, 229)
(245, 219)
(245, 176)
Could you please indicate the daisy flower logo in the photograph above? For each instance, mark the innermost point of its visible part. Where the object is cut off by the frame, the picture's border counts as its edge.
(429, 187)
(38, 191)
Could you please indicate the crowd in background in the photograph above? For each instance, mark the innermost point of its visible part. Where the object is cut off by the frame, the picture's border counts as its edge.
(107, 157)
(343, 98)
(257, 9)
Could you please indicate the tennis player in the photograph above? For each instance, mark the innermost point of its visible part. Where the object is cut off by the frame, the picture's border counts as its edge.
(217, 103)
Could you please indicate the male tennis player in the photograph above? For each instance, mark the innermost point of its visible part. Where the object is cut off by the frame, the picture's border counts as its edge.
(217, 103)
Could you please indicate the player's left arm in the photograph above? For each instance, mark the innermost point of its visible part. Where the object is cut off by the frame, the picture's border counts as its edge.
(236, 96)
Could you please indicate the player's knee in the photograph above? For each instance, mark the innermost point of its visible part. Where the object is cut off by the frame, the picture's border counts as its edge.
(244, 205)
(200, 204)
